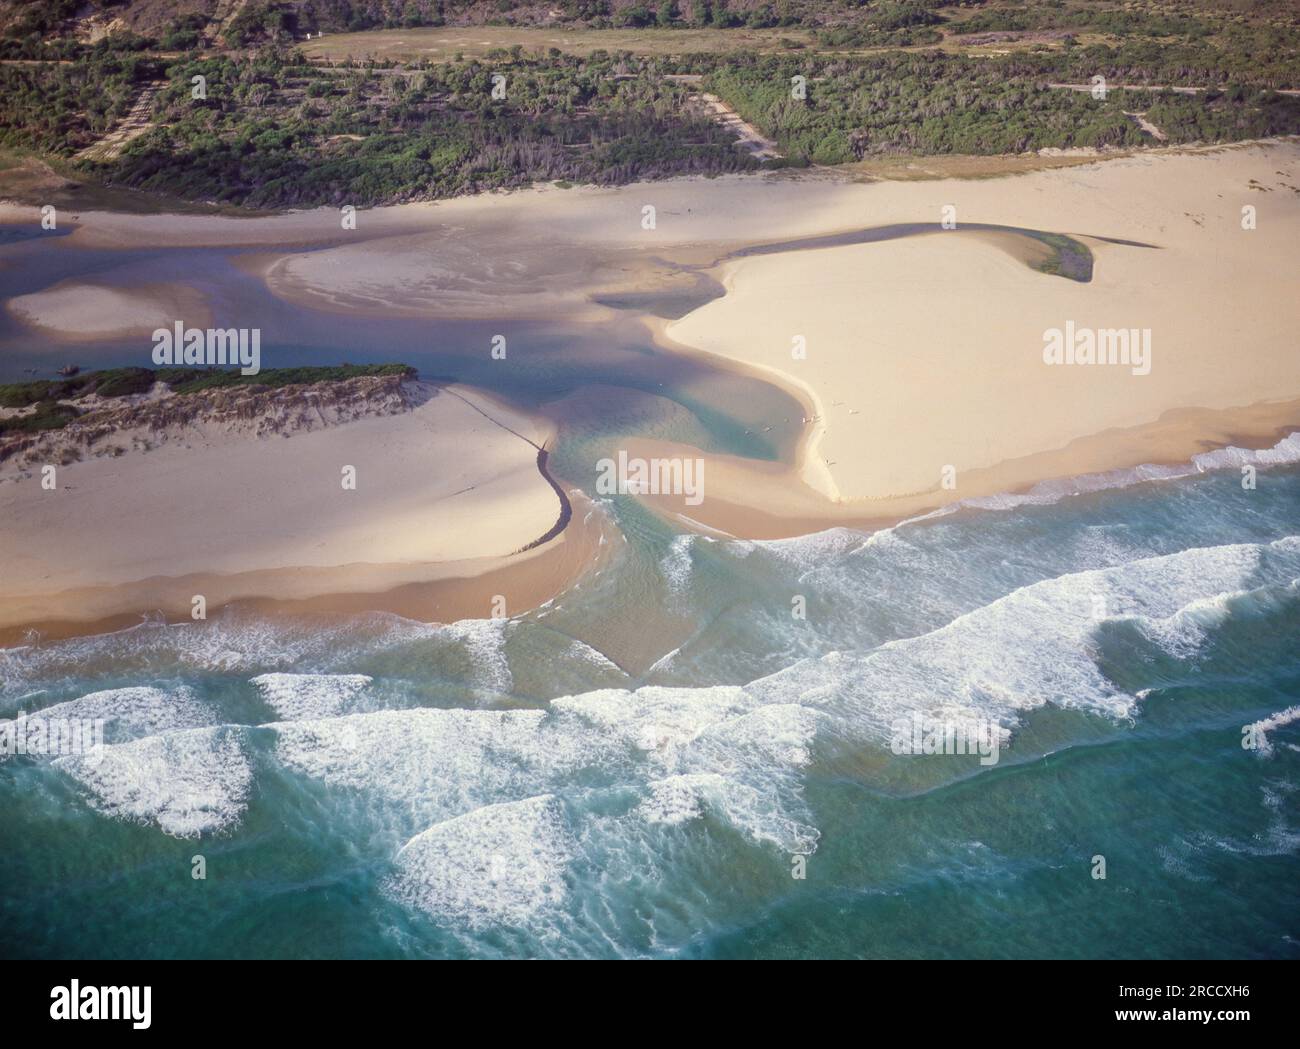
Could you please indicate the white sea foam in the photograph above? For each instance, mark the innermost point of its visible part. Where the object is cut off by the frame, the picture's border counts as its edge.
(664, 662)
(188, 783)
(738, 752)
(676, 564)
(1178, 860)
(485, 641)
(1281, 839)
(678, 799)
(730, 753)
(299, 697)
(1184, 633)
(683, 734)
(129, 713)
(593, 657)
(500, 864)
(812, 551)
(818, 555)
(1263, 745)
(1277, 838)
(653, 722)
(1104, 546)
(681, 799)
(843, 569)
(231, 642)
(1285, 452)
(561, 658)
(435, 764)
(1031, 647)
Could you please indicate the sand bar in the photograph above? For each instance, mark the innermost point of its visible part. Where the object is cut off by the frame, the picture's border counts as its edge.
(74, 310)
(449, 489)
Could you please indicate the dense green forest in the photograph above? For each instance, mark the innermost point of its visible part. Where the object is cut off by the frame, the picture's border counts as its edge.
(932, 102)
(273, 132)
(276, 130)
(269, 19)
(179, 24)
(58, 108)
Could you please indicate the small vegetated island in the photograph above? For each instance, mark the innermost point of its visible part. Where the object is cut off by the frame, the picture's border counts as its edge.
(286, 104)
(31, 408)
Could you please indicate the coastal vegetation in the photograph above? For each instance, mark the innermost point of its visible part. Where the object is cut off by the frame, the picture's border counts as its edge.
(933, 102)
(59, 107)
(275, 131)
(284, 121)
(50, 396)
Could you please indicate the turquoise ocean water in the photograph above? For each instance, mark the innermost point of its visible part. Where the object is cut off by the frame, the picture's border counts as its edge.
(377, 787)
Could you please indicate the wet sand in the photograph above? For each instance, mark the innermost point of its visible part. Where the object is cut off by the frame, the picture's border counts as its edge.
(72, 311)
(924, 353)
(447, 592)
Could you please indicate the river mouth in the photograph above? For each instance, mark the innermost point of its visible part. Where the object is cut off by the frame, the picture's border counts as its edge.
(683, 720)
(720, 409)
(725, 410)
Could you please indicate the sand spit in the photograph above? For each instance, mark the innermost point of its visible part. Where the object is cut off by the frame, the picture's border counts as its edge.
(249, 502)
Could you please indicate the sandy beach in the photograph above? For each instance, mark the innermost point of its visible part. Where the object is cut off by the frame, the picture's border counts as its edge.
(924, 380)
(927, 352)
(447, 490)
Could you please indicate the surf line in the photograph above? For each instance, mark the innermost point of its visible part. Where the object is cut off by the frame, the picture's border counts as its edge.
(566, 508)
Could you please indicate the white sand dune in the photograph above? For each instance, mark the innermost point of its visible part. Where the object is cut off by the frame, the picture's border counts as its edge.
(927, 352)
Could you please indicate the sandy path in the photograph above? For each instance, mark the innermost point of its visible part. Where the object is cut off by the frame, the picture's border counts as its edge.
(748, 137)
(133, 125)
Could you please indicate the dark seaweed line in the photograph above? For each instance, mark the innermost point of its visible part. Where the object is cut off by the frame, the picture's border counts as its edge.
(566, 508)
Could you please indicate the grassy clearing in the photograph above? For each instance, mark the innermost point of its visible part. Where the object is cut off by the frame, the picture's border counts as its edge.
(444, 44)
